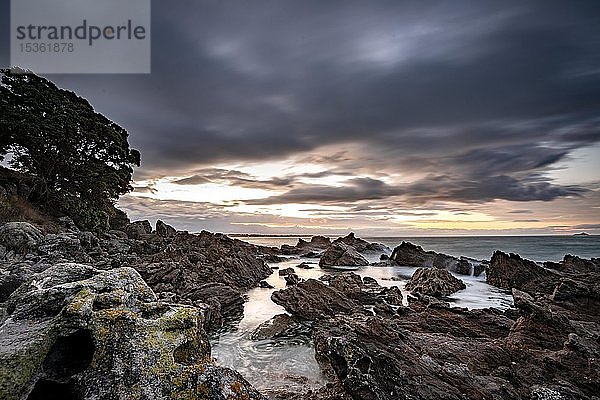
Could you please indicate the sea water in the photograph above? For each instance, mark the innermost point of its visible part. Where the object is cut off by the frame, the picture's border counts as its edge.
(290, 364)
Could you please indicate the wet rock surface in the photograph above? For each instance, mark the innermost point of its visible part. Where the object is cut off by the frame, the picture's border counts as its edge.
(340, 253)
(434, 282)
(547, 346)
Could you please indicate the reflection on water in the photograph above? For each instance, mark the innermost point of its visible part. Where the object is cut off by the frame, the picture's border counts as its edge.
(290, 364)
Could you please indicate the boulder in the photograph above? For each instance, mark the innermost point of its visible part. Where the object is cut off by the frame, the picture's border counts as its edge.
(362, 246)
(278, 327)
(508, 271)
(165, 230)
(286, 271)
(341, 254)
(20, 236)
(311, 300)
(434, 282)
(412, 255)
(136, 229)
(229, 306)
(291, 279)
(77, 332)
(265, 285)
(312, 248)
(305, 265)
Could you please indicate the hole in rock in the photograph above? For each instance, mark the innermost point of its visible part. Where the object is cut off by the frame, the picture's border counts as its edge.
(339, 364)
(186, 354)
(364, 365)
(50, 390)
(69, 355)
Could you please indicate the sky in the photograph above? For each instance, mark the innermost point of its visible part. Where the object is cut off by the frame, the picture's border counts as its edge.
(387, 118)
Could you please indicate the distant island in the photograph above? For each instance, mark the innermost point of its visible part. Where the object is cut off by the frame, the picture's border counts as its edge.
(582, 234)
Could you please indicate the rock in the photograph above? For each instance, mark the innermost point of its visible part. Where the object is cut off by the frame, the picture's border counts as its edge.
(463, 267)
(8, 284)
(412, 255)
(305, 265)
(367, 280)
(348, 283)
(341, 254)
(77, 332)
(265, 285)
(230, 307)
(280, 326)
(286, 271)
(384, 257)
(311, 254)
(511, 271)
(291, 279)
(478, 269)
(165, 230)
(360, 245)
(137, 229)
(314, 247)
(190, 261)
(20, 236)
(434, 282)
(312, 300)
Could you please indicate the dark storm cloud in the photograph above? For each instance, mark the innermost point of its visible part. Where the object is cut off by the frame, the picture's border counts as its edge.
(432, 188)
(232, 177)
(489, 93)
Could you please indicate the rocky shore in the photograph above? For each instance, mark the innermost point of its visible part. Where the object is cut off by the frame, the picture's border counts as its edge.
(126, 314)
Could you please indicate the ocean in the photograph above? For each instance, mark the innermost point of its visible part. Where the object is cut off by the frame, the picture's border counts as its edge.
(536, 248)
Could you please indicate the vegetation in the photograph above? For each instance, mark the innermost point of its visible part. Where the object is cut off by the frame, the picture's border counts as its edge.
(82, 157)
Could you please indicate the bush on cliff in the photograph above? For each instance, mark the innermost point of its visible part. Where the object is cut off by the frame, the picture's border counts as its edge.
(82, 157)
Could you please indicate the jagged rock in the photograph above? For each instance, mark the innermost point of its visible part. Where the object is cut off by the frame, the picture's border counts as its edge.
(412, 255)
(575, 265)
(367, 280)
(137, 229)
(280, 326)
(315, 246)
(434, 282)
(230, 300)
(360, 245)
(286, 271)
(20, 236)
(165, 230)
(341, 254)
(77, 332)
(291, 279)
(509, 271)
(312, 300)
(305, 265)
(265, 285)
(384, 257)
(463, 267)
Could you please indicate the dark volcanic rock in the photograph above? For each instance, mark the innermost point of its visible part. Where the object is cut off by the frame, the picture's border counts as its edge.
(434, 282)
(280, 326)
(305, 265)
(312, 300)
(316, 245)
(343, 255)
(547, 348)
(291, 279)
(137, 229)
(286, 271)
(231, 302)
(165, 230)
(509, 271)
(361, 245)
(412, 255)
